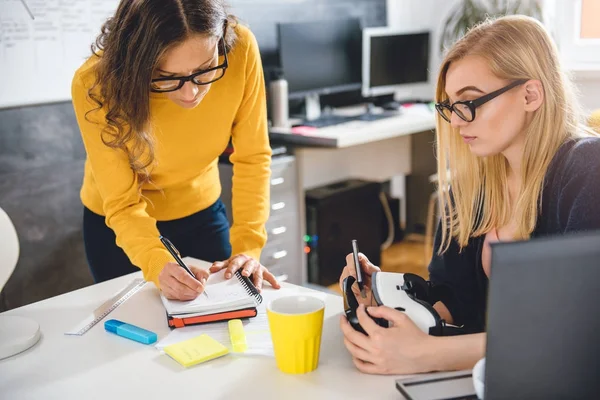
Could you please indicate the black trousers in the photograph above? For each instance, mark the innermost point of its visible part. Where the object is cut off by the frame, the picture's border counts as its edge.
(204, 235)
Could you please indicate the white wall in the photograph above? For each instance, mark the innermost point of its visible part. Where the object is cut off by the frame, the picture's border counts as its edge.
(589, 89)
(422, 14)
(582, 59)
(431, 14)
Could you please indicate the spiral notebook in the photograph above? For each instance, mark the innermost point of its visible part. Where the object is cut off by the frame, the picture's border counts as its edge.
(226, 299)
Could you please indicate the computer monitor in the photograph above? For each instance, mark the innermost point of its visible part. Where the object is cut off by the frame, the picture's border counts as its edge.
(320, 57)
(396, 63)
(543, 320)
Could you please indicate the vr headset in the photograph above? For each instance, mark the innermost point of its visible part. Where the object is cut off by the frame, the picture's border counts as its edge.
(408, 293)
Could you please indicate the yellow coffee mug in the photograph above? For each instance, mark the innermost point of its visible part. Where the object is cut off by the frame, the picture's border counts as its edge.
(296, 324)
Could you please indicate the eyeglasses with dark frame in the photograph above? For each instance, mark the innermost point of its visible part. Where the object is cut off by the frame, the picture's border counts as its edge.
(466, 109)
(173, 83)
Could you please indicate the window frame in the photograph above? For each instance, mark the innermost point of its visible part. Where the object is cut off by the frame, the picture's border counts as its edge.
(576, 52)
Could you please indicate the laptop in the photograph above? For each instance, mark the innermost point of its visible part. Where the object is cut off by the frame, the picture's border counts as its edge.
(543, 319)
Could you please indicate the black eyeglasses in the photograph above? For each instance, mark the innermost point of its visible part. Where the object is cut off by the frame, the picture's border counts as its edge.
(204, 77)
(466, 109)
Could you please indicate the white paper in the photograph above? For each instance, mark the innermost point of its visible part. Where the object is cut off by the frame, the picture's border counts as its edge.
(258, 336)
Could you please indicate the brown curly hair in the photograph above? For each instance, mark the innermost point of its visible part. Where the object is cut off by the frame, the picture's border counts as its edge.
(129, 49)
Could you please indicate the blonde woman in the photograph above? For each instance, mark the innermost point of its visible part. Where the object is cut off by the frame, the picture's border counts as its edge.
(521, 167)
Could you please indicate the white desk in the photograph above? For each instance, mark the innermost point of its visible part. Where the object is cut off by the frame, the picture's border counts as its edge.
(378, 151)
(414, 119)
(373, 150)
(99, 365)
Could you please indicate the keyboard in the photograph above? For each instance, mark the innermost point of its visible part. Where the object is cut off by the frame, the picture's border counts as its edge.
(376, 117)
(332, 120)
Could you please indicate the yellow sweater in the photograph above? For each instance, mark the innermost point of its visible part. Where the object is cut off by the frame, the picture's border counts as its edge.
(188, 144)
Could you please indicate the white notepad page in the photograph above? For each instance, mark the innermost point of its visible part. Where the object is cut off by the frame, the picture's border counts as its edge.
(222, 295)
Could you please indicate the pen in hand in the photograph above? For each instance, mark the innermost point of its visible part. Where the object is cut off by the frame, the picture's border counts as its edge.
(359, 279)
(175, 253)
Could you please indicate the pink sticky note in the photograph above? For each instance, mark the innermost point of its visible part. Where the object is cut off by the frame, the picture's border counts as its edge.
(304, 130)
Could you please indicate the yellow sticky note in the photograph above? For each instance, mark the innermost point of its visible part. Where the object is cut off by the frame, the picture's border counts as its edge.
(237, 335)
(196, 350)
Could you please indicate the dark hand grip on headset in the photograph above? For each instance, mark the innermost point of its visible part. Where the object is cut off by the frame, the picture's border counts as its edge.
(351, 305)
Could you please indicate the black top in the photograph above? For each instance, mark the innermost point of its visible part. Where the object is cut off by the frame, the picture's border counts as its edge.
(570, 202)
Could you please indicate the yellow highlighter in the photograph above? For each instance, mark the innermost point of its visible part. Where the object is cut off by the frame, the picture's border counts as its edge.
(237, 336)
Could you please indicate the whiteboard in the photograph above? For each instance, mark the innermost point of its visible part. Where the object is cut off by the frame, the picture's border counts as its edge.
(39, 57)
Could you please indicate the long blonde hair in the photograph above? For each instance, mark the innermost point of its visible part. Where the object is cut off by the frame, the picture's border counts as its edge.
(515, 47)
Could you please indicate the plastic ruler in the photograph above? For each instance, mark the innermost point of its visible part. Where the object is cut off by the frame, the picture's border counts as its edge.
(110, 305)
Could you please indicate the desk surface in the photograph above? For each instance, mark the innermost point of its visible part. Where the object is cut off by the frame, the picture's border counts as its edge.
(99, 365)
(415, 119)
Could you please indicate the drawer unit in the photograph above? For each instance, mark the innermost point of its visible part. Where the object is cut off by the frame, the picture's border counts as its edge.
(283, 252)
(283, 203)
(283, 175)
(291, 270)
(281, 226)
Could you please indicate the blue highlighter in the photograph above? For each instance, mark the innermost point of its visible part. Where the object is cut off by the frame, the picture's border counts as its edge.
(130, 331)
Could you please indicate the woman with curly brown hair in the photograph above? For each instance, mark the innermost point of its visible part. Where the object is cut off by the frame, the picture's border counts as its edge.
(169, 84)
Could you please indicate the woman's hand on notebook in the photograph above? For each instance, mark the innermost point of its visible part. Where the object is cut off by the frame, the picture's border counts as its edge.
(177, 284)
(249, 267)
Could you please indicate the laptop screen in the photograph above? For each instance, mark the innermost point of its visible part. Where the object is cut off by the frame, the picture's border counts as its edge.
(543, 320)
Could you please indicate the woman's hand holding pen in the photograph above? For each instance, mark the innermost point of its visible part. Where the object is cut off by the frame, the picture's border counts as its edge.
(177, 284)
(249, 266)
(367, 269)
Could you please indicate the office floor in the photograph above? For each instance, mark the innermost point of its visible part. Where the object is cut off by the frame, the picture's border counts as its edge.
(405, 256)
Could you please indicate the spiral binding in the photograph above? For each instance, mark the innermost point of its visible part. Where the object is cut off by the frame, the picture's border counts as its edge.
(249, 286)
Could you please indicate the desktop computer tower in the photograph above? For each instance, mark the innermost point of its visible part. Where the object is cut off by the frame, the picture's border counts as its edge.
(335, 215)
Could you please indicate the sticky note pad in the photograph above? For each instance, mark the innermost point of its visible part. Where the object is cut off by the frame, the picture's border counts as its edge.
(196, 350)
(237, 335)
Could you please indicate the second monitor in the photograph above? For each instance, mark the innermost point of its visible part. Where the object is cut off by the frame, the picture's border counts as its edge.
(396, 63)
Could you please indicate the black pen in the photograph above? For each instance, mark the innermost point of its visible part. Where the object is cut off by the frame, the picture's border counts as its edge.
(175, 253)
(359, 279)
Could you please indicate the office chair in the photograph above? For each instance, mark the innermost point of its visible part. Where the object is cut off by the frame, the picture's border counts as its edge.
(431, 221)
(433, 217)
(17, 334)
